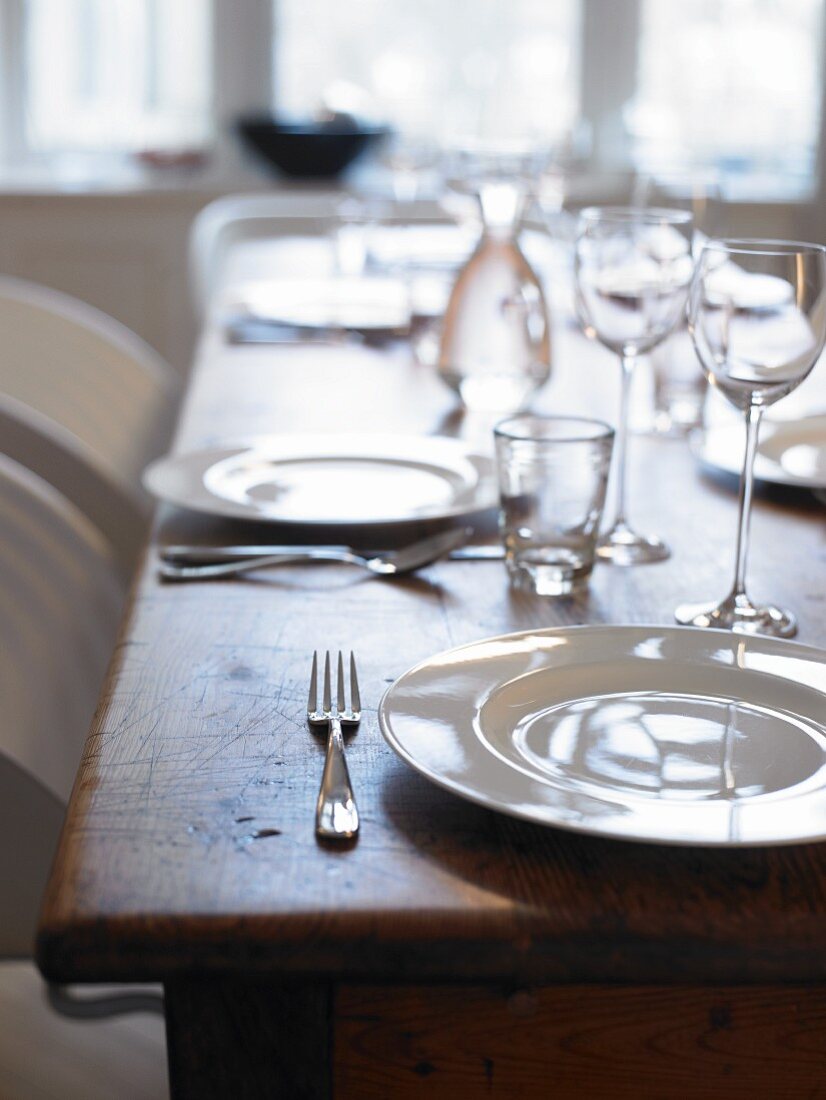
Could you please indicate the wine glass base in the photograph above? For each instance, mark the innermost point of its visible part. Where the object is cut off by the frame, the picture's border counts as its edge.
(622, 546)
(740, 616)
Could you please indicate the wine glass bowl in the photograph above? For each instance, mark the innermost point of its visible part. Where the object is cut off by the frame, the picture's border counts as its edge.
(753, 336)
(633, 268)
(757, 317)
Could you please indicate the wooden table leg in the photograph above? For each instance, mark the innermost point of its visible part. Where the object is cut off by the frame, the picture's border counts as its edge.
(248, 1040)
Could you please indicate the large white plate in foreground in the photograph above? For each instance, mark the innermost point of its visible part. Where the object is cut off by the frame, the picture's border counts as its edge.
(329, 479)
(668, 735)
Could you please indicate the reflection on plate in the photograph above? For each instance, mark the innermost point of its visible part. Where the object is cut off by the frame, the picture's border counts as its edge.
(790, 452)
(367, 305)
(661, 734)
(340, 479)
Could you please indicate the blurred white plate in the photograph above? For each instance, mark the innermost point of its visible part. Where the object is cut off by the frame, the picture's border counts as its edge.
(667, 735)
(790, 452)
(414, 247)
(324, 479)
(367, 305)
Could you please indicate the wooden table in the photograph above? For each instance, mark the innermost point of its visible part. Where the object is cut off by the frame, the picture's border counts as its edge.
(451, 951)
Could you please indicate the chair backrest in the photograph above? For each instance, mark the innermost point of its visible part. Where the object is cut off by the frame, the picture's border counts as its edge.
(235, 218)
(87, 373)
(119, 512)
(60, 602)
(30, 816)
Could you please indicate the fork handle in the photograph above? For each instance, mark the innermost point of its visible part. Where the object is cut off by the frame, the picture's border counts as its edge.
(336, 814)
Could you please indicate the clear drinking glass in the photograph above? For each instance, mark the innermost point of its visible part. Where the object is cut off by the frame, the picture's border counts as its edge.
(495, 349)
(757, 316)
(553, 473)
(632, 269)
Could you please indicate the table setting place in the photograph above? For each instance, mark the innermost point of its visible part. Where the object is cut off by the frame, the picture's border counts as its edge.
(708, 729)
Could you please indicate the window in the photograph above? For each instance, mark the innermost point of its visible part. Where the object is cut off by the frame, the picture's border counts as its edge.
(433, 67)
(730, 84)
(733, 85)
(116, 74)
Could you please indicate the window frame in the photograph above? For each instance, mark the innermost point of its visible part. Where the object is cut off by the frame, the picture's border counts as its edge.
(12, 140)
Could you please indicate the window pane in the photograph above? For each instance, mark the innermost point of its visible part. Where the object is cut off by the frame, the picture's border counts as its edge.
(433, 67)
(733, 84)
(116, 74)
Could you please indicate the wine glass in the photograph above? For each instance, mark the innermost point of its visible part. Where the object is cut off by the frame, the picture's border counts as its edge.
(757, 316)
(633, 269)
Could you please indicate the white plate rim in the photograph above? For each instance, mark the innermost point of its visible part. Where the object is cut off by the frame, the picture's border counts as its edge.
(766, 469)
(197, 497)
(478, 798)
(241, 308)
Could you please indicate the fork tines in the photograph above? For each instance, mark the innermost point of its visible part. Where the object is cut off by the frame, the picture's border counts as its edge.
(326, 697)
(355, 698)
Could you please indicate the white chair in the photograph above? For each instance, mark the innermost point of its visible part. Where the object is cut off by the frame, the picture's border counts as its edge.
(235, 218)
(47, 449)
(47, 1057)
(60, 602)
(87, 373)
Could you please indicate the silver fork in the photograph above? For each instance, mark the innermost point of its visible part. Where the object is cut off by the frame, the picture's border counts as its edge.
(336, 814)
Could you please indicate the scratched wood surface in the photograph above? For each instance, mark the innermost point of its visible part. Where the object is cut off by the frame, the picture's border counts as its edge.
(189, 844)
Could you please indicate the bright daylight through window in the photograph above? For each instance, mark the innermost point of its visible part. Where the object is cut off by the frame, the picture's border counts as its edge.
(735, 85)
(116, 74)
(732, 84)
(433, 68)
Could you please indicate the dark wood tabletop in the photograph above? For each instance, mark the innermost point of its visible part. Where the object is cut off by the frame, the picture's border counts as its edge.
(189, 855)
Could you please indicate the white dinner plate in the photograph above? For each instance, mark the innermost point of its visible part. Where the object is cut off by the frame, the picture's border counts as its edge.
(668, 735)
(412, 248)
(367, 305)
(329, 479)
(790, 452)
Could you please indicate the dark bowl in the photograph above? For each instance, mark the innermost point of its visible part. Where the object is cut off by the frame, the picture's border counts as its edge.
(310, 150)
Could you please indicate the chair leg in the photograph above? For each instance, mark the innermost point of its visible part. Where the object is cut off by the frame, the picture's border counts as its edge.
(92, 1006)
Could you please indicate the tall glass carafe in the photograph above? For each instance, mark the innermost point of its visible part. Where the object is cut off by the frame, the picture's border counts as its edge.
(495, 349)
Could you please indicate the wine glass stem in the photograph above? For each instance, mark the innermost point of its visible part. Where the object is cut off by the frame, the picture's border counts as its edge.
(621, 439)
(753, 417)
